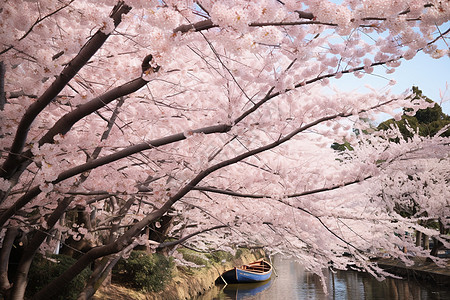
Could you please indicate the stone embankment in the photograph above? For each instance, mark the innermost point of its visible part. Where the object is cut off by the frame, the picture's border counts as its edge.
(422, 268)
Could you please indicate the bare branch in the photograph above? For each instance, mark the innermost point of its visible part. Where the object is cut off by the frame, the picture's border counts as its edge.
(264, 196)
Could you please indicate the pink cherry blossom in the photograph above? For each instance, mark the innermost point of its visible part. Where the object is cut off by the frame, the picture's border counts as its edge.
(219, 115)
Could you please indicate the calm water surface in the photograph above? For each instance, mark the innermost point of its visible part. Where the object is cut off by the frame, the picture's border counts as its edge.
(293, 282)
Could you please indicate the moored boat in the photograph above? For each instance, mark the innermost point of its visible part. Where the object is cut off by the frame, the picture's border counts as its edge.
(257, 271)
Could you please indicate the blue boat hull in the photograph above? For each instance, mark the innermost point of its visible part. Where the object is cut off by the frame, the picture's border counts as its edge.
(245, 276)
(254, 272)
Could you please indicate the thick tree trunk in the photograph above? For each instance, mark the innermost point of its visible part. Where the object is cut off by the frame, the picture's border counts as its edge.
(438, 244)
(8, 241)
(436, 247)
(92, 286)
(75, 248)
(99, 275)
(2, 85)
(83, 217)
(102, 271)
(426, 242)
(20, 281)
(418, 238)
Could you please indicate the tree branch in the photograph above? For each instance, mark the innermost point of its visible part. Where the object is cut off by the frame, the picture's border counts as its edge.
(263, 196)
(33, 192)
(87, 51)
(173, 243)
(208, 24)
(64, 124)
(2, 85)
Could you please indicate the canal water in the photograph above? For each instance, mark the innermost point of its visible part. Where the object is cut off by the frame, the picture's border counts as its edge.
(294, 282)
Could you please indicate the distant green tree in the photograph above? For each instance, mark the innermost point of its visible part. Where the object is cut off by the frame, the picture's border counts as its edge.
(426, 122)
(342, 147)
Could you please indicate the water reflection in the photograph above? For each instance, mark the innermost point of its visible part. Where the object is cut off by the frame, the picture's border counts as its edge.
(245, 290)
(294, 282)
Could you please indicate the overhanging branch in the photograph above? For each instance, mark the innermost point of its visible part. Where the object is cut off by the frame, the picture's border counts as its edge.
(264, 196)
(33, 192)
(173, 243)
(302, 15)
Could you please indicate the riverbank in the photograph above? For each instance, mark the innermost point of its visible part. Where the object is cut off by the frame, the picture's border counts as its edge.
(187, 282)
(422, 269)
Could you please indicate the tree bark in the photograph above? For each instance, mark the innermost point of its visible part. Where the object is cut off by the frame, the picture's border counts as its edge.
(8, 242)
(23, 268)
(418, 238)
(2, 85)
(426, 242)
(438, 245)
(100, 273)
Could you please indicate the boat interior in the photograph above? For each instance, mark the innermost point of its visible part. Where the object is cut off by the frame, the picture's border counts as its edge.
(258, 268)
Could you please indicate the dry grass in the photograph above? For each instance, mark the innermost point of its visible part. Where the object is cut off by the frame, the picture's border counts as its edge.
(117, 292)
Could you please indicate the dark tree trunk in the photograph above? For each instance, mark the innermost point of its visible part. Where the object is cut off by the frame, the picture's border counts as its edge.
(101, 272)
(438, 244)
(418, 238)
(8, 241)
(2, 85)
(426, 242)
(39, 236)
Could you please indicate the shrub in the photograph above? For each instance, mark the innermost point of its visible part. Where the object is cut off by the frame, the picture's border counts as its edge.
(143, 271)
(45, 269)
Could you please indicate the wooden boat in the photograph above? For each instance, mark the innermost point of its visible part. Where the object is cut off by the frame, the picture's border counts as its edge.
(257, 271)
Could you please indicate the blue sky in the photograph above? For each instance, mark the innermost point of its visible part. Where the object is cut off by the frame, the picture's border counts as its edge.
(430, 75)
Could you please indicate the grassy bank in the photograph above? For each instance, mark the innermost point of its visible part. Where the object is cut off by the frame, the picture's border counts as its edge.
(185, 282)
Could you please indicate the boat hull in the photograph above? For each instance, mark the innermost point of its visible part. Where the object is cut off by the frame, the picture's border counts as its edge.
(244, 276)
(247, 273)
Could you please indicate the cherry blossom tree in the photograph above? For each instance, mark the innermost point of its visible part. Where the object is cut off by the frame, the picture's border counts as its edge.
(418, 171)
(216, 114)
